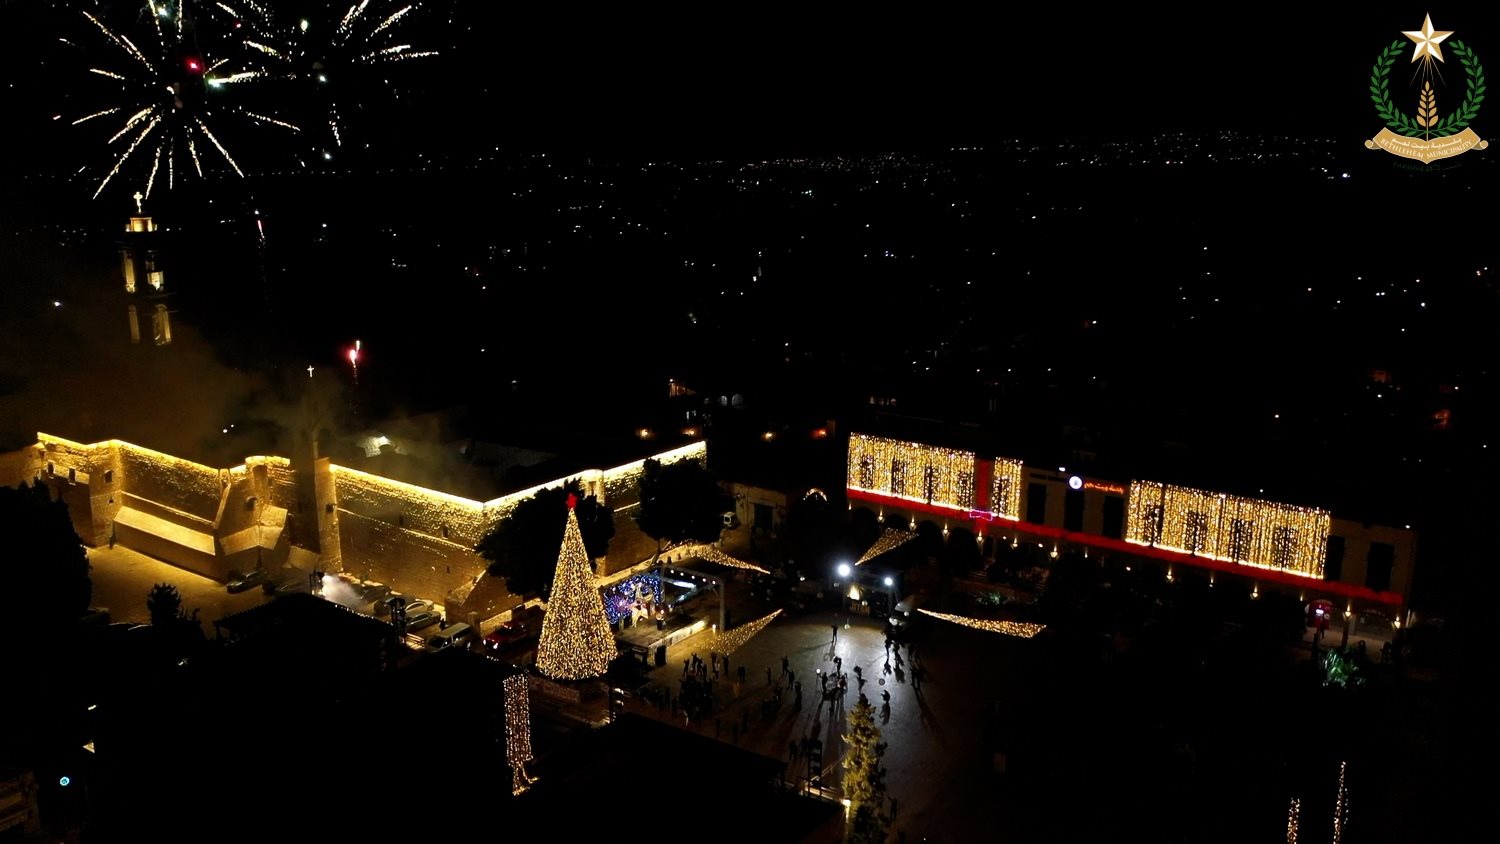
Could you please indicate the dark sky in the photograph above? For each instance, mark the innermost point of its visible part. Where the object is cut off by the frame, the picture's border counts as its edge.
(775, 79)
(912, 76)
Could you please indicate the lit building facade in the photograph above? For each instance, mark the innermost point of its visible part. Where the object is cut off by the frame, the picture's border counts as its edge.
(1363, 568)
(212, 521)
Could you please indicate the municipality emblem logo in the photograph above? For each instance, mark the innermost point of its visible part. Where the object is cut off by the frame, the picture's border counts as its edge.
(1440, 126)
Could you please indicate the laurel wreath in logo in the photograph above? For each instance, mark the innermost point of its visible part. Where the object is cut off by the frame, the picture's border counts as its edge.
(1456, 121)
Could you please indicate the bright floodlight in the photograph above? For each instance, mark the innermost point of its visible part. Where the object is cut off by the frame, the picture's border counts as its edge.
(890, 581)
(843, 569)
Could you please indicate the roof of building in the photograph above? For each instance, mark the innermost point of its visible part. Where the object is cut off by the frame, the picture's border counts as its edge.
(457, 452)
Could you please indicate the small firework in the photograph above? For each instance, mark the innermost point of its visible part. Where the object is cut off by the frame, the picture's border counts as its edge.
(338, 56)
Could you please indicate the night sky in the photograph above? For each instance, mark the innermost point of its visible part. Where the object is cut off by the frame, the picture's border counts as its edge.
(768, 80)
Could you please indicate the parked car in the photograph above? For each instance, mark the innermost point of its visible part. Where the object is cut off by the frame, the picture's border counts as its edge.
(417, 621)
(293, 585)
(460, 635)
(247, 581)
(506, 635)
(415, 606)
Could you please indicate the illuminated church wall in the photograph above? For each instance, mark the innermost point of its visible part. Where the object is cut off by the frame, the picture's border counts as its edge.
(88, 478)
(417, 540)
(172, 482)
(394, 533)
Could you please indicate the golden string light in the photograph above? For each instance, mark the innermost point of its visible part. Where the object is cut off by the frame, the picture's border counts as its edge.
(1005, 486)
(714, 555)
(1341, 806)
(1248, 531)
(889, 540)
(916, 472)
(1021, 629)
(518, 731)
(1291, 820)
(576, 641)
(733, 640)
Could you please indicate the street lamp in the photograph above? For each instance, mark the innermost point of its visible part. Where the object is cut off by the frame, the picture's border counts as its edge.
(844, 569)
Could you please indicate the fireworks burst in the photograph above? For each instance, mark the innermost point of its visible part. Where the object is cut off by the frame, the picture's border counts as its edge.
(166, 88)
(339, 55)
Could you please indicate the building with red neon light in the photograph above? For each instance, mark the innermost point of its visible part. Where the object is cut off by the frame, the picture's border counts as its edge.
(1365, 568)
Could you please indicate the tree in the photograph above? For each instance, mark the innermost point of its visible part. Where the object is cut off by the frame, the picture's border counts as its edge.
(680, 502)
(864, 778)
(522, 548)
(576, 641)
(44, 560)
(164, 605)
(173, 625)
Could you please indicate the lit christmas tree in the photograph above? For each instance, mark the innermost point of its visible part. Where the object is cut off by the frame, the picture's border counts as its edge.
(864, 778)
(576, 640)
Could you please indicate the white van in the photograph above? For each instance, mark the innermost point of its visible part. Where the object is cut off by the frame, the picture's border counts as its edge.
(459, 634)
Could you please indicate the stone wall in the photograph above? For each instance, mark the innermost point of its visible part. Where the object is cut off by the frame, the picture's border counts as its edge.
(89, 478)
(21, 466)
(180, 484)
(408, 561)
(629, 546)
(419, 541)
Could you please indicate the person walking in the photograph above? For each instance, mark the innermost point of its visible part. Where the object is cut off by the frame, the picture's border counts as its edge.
(785, 666)
(885, 696)
(835, 632)
(769, 681)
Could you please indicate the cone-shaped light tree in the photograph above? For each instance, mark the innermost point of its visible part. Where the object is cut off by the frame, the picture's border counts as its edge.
(864, 778)
(576, 640)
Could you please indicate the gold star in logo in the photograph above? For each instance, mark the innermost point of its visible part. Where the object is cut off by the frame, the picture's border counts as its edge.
(1427, 40)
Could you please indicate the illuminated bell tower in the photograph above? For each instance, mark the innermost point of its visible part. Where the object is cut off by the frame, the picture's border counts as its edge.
(144, 279)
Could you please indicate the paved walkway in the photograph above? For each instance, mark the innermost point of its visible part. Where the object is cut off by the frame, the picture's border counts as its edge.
(936, 759)
(122, 579)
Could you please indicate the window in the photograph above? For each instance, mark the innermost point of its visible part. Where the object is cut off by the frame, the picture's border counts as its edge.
(1000, 498)
(1333, 562)
(1154, 517)
(328, 508)
(72, 476)
(445, 531)
(109, 476)
(1283, 546)
(1240, 533)
(1195, 531)
(1114, 516)
(1073, 510)
(1378, 566)
(1036, 504)
(898, 477)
